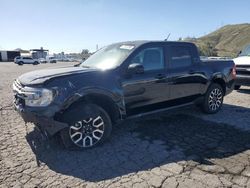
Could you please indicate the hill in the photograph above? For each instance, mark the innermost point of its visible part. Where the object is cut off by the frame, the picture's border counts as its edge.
(226, 41)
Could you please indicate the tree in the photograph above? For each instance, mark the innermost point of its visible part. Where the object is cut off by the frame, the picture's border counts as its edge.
(85, 51)
(85, 54)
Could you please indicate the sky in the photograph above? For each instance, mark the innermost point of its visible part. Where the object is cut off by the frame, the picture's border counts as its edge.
(73, 25)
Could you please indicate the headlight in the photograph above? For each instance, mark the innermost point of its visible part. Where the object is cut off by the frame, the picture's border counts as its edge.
(38, 96)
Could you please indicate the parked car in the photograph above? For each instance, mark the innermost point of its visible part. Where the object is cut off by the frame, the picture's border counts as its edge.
(122, 80)
(65, 59)
(25, 60)
(243, 68)
(52, 60)
(42, 60)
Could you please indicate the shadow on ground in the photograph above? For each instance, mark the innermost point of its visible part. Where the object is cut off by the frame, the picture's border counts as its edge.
(142, 144)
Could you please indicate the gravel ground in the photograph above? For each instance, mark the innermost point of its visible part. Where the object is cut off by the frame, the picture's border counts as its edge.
(177, 149)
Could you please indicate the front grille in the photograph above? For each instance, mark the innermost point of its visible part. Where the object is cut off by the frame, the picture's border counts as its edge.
(243, 66)
(17, 87)
(18, 90)
(243, 69)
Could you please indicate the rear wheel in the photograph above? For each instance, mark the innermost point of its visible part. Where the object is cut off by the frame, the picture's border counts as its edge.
(213, 99)
(237, 87)
(35, 63)
(89, 126)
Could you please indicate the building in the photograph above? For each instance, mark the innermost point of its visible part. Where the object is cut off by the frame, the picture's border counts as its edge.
(39, 53)
(25, 53)
(8, 55)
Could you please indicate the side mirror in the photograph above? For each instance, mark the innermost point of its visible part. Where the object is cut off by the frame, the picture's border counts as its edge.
(135, 68)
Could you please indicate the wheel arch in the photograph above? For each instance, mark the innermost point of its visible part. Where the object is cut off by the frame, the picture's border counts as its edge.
(105, 101)
(221, 81)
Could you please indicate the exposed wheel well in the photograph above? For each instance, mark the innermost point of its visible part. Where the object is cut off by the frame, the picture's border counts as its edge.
(101, 100)
(221, 82)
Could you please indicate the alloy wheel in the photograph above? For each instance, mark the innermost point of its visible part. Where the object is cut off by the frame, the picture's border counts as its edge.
(215, 99)
(87, 132)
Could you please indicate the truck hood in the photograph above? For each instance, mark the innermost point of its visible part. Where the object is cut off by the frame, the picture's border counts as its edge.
(242, 60)
(40, 76)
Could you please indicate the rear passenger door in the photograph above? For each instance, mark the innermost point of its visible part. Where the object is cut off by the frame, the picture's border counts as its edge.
(182, 77)
(30, 60)
(27, 60)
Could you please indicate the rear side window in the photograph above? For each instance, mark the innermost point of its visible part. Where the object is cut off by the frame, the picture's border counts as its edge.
(180, 57)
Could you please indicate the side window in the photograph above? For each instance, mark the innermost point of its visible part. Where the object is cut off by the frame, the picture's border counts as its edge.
(150, 58)
(180, 57)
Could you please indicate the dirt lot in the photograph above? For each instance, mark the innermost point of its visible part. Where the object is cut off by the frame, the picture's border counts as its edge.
(178, 149)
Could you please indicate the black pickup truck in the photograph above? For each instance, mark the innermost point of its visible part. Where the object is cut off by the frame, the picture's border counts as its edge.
(120, 81)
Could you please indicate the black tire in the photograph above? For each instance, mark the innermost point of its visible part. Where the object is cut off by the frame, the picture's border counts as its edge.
(237, 87)
(83, 132)
(213, 99)
(20, 63)
(35, 63)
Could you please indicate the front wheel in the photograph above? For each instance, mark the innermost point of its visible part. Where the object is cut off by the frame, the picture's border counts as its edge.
(213, 99)
(89, 126)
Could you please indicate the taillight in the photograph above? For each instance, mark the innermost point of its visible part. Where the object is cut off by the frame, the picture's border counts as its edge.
(234, 72)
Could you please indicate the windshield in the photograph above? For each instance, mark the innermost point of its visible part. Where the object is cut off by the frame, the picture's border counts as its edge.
(245, 51)
(108, 57)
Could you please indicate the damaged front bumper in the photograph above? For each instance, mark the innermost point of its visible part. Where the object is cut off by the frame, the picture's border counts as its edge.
(45, 124)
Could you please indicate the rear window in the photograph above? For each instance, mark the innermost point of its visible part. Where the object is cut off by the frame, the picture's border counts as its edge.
(180, 57)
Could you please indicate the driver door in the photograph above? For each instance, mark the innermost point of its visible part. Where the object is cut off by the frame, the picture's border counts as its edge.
(149, 87)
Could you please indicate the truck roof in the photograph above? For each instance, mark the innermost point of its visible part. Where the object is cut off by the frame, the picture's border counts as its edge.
(137, 43)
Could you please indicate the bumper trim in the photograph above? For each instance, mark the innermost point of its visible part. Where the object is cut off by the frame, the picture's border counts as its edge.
(49, 125)
(243, 80)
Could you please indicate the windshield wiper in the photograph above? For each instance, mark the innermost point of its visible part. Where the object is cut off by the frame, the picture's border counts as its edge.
(77, 65)
(85, 66)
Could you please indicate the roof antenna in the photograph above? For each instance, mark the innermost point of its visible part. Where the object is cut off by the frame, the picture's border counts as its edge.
(167, 37)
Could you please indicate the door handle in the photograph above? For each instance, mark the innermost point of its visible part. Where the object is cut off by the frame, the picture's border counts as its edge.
(192, 72)
(160, 76)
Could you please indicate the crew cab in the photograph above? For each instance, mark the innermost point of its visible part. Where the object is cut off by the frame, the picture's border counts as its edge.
(25, 60)
(122, 80)
(243, 68)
